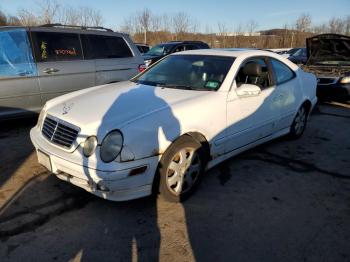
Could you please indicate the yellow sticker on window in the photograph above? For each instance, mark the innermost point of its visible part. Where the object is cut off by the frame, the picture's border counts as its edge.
(43, 48)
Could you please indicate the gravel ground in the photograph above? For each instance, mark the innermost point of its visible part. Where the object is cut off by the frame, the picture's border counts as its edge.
(283, 201)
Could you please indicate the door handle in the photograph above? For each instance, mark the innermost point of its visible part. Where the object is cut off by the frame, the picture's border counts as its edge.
(51, 70)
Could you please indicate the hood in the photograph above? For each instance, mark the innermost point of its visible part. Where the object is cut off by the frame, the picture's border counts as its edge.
(116, 105)
(151, 57)
(327, 48)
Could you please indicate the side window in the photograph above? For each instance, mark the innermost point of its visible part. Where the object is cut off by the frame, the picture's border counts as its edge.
(102, 47)
(57, 46)
(191, 47)
(263, 80)
(179, 48)
(16, 58)
(282, 72)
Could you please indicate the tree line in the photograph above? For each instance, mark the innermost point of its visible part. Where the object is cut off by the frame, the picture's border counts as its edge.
(146, 27)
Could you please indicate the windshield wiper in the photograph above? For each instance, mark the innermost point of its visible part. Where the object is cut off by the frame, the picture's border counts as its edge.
(186, 87)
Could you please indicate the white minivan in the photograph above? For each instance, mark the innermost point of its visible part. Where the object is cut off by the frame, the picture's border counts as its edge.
(40, 63)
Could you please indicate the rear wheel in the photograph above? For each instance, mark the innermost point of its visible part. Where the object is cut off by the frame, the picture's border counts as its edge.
(180, 169)
(299, 124)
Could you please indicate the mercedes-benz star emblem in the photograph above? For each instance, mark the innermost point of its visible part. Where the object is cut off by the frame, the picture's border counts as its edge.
(66, 108)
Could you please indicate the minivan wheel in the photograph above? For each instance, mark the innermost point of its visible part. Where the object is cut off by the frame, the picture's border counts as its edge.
(299, 124)
(180, 169)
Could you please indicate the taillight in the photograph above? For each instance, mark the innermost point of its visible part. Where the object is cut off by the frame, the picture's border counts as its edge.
(142, 67)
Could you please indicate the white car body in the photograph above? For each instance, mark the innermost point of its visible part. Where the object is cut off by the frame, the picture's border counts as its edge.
(151, 118)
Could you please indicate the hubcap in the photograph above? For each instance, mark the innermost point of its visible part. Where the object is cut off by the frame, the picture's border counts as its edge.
(300, 121)
(183, 171)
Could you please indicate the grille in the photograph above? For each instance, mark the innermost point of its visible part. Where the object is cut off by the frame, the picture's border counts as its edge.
(59, 132)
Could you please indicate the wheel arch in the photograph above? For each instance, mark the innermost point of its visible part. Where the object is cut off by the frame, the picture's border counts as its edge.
(196, 136)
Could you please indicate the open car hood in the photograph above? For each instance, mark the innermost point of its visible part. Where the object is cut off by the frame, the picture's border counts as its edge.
(327, 48)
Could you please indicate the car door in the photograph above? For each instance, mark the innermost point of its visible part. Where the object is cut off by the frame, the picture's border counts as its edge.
(251, 118)
(61, 66)
(19, 86)
(288, 92)
(113, 58)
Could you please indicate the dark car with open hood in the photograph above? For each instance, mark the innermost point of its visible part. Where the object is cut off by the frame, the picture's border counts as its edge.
(329, 59)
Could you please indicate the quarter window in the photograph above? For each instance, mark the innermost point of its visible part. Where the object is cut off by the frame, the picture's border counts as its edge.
(101, 47)
(57, 46)
(282, 72)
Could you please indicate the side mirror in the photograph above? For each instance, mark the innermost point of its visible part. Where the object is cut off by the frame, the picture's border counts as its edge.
(247, 90)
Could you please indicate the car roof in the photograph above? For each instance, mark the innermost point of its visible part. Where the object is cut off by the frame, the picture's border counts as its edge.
(232, 53)
(244, 53)
(183, 42)
(63, 29)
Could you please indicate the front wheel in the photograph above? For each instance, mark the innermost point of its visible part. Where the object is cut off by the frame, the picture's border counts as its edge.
(180, 169)
(299, 124)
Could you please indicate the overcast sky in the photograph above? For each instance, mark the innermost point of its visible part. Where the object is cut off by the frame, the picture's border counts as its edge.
(268, 13)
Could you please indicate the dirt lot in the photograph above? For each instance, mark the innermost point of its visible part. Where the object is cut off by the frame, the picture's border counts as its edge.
(283, 201)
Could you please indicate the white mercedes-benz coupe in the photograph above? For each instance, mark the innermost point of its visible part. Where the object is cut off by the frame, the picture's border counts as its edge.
(160, 131)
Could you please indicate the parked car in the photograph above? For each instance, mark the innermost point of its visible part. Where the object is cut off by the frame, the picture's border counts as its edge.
(329, 60)
(280, 51)
(143, 48)
(290, 52)
(162, 129)
(159, 51)
(40, 63)
(299, 57)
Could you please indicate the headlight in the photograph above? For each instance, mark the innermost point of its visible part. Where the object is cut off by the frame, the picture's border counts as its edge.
(90, 145)
(111, 146)
(345, 80)
(148, 62)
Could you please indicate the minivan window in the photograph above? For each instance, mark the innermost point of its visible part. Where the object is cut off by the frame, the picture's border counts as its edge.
(16, 58)
(57, 46)
(101, 46)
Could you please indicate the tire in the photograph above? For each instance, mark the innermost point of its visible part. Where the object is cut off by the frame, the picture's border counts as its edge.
(299, 123)
(180, 169)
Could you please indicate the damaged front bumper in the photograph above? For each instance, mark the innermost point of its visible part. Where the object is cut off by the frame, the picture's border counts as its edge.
(128, 180)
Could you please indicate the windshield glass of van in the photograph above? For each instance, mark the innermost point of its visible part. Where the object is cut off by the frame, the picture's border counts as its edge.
(193, 72)
(159, 50)
(16, 58)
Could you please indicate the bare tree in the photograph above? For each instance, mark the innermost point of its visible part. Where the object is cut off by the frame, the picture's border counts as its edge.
(48, 10)
(320, 29)
(347, 25)
(165, 23)
(181, 23)
(252, 25)
(144, 19)
(3, 19)
(27, 18)
(303, 23)
(223, 32)
(128, 26)
(13, 20)
(336, 25)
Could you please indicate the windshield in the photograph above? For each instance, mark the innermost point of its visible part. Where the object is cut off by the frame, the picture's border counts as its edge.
(194, 72)
(300, 52)
(159, 50)
(292, 51)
